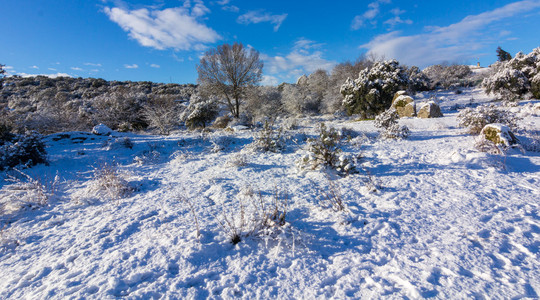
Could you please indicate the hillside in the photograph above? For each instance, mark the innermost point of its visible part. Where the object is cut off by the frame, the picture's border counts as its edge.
(428, 216)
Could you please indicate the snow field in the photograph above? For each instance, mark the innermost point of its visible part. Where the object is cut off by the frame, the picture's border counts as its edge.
(426, 217)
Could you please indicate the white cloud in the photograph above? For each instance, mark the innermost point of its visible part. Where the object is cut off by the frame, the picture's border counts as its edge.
(269, 80)
(76, 69)
(177, 28)
(34, 67)
(8, 67)
(133, 66)
(47, 75)
(92, 64)
(304, 58)
(357, 23)
(155, 66)
(456, 42)
(369, 15)
(397, 20)
(254, 17)
(51, 69)
(231, 8)
(396, 11)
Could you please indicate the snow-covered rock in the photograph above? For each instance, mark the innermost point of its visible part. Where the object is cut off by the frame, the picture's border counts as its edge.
(404, 105)
(499, 134)
(430, 110)
(101, 129)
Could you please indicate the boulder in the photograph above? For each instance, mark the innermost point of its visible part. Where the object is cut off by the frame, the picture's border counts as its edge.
(397, 94)
(499, 134)
(409, 110)
(429, 110)
(101, 129)
(401, 102)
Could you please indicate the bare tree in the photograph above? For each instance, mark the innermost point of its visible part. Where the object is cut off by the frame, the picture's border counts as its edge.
(228, 70)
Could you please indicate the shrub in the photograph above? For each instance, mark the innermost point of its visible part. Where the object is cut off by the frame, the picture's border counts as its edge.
(268, 139)
(331, 196)
(109, 183)
(26, 149)
(262, 102)
(418, 81)
(162, 113)
(372, 92)
(119, 143)
(475, 119)
(449, 76)
(508, 83)
(388, 123)
(325, 151)
(265, 218)
(237, 161)
(119, 107)
(27, 191)
(150, 155)
(199, 112)
(516, 77)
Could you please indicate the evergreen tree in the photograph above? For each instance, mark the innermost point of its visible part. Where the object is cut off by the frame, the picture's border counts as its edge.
(503, 55)
(2, 72)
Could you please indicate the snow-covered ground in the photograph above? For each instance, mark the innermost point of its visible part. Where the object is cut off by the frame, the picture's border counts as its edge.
(425, 217)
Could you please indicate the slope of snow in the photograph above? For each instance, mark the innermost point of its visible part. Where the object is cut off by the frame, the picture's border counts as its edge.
(426, 217)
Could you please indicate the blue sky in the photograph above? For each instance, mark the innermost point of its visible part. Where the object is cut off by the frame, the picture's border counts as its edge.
(162, 41)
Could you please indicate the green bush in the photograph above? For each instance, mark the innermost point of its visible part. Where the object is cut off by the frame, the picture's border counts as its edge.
(21, 149)
(372, 92)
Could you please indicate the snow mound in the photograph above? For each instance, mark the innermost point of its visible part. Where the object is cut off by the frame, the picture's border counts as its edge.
(101, 129)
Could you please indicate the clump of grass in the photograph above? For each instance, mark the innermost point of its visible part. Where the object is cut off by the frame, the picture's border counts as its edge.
(237, 161)
(332, 196)
(264, 217)
(27, 191)
(110, 183)
(193, 213)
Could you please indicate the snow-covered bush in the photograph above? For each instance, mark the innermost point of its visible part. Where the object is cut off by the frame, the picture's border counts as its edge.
(516, 77)
(121, 106)
(199, 112)
(476, 118)
(268, 139)
(508, 83)
(332, 100)
(25, 191)
(109, 183)
(22, 149)
(449, 76)
(150, 155)
(387, 121)
(220, 142)
(306, 96)
(372, 92)
(262, 102)
(237, 161)
(265, 218)
(531, 140)
(119, 143)
(325, 151)
(418, 81)
(331, 196)
(162, 113)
